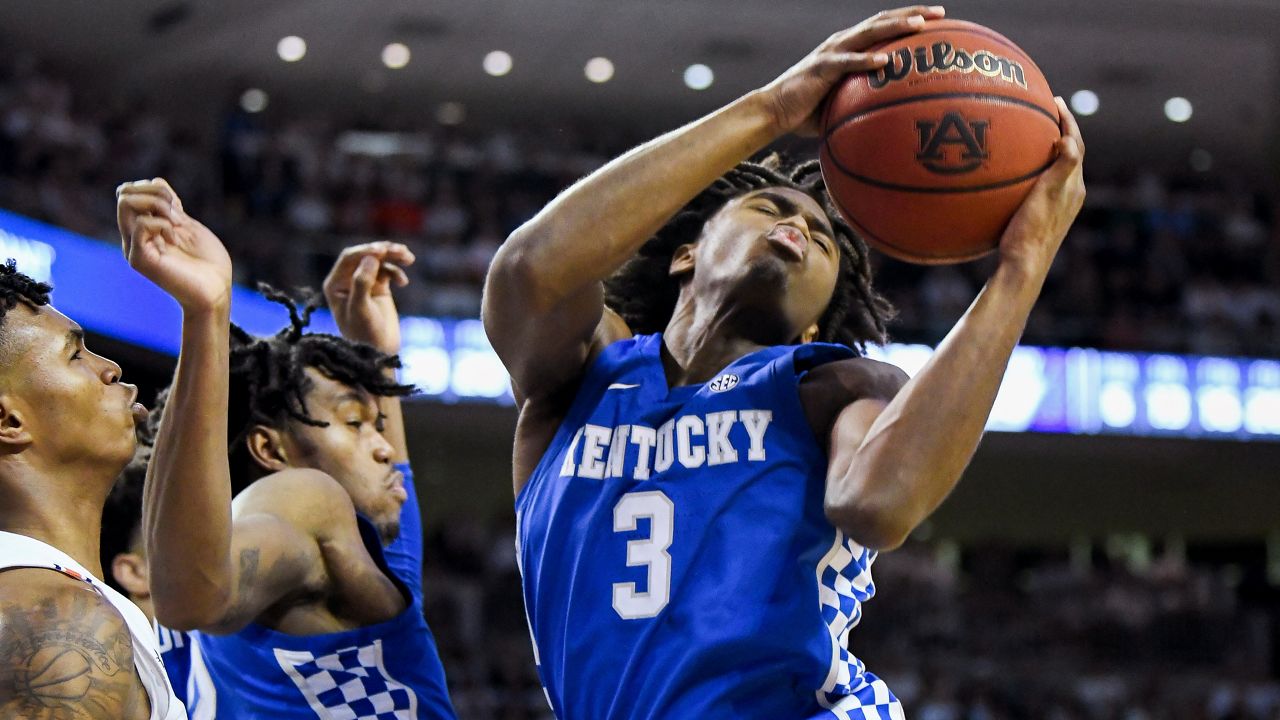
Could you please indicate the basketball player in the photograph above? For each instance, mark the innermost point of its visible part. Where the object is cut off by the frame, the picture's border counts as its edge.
(124, 559)
(70, 646)
(307, 590)
(700, 489)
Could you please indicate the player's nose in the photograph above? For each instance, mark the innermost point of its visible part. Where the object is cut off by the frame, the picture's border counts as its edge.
(110, 372)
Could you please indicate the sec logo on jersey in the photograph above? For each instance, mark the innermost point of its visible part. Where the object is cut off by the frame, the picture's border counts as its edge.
(725, 382)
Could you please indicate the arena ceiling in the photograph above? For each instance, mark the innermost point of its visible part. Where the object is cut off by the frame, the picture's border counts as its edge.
(1223, 55)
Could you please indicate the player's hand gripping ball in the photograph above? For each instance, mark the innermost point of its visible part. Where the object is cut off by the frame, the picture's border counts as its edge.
(929, 156)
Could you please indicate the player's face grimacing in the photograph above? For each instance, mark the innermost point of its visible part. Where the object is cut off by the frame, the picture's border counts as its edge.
(351, 449)
(66, 400)
(776, 251)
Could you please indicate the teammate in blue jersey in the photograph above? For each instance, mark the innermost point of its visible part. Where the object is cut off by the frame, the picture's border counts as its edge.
(704, 467)
(306, 590)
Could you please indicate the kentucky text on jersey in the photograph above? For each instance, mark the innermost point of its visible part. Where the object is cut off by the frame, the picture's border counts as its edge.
(691, 440)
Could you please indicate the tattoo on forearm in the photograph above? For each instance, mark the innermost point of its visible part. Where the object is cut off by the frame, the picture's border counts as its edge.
(65, 658)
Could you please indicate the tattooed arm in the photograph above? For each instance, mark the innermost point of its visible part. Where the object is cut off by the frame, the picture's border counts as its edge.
(278, 527)
(271, 561)
(65, 652)
(294, 539)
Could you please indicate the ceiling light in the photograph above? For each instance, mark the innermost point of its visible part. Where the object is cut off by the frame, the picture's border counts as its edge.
(698, 77)
(253, 100)
(1177, 109)
(291, 48)
(1084, 102)
(395, 55)
(599, 69)
(497, 63)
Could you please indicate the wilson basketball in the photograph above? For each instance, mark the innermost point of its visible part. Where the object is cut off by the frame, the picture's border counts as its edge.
(930, 156)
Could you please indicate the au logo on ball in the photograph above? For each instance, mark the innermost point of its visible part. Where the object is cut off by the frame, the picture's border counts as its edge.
(952, 145)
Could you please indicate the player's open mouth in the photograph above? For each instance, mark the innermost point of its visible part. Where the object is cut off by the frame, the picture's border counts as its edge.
(396, 481)
(791, 240)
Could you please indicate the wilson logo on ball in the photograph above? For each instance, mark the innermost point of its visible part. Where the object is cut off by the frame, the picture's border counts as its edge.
(953, 145)
(943, 57)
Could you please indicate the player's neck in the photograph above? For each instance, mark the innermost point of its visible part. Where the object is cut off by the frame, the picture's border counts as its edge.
(700, 341)
(66, 515)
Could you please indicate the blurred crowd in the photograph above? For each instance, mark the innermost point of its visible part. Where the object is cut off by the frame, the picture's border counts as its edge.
(1174, 264)
(1171, 264)
(1187, 264)
(997, 634)
(982, 633)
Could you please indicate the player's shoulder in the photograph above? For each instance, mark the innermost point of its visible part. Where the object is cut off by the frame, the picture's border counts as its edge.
(829, 388)
(854, 379)
(62, 646)
(610, 329)
(27, 585)
(301, 497)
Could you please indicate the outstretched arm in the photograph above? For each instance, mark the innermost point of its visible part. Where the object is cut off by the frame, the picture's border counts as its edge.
(543, 303)
(358, 291)
(198, 576)
(894, 459)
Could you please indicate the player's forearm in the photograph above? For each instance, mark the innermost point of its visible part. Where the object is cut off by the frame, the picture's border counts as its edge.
(595, 226)
(915, 452)
(187, 508)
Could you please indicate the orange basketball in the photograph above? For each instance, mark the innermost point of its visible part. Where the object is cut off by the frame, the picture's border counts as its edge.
(930, 156)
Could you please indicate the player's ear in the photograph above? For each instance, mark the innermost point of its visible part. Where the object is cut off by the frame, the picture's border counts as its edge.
(810, 334)
(266, 446)
(682, 260)
(14, 437)
(130, 572)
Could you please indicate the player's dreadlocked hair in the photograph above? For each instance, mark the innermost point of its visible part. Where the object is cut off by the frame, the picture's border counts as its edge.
(644, 293)
(269, 384)
(18, 288)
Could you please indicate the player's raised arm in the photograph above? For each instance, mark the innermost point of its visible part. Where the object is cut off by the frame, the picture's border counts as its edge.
(197, 577)
(358, 292)
(892, 462)
(543, 297)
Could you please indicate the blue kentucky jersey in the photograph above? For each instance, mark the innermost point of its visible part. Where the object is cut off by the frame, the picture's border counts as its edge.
(180, 653)
(677, 561)
(175, 653)
(387, 671)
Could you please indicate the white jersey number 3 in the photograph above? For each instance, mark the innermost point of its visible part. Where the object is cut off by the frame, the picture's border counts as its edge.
(650, 552)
